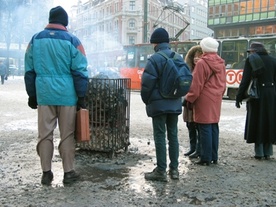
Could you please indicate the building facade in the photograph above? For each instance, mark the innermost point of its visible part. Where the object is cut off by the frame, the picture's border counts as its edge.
(198, 13)
(236, 18)
(126, 21)
(106, 25)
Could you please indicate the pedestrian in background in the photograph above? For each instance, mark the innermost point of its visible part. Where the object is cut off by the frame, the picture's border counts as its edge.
(3, 72)
(261, 113)
(164, 111)
(192, 57)
(56, 81)
(205, 96)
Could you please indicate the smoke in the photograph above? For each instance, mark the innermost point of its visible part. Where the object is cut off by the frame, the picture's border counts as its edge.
(20, 20)
(103, 53)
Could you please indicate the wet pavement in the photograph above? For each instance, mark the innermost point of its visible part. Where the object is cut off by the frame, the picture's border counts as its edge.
(237, 179)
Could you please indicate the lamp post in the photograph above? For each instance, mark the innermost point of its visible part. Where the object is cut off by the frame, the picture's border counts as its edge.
(145, 39)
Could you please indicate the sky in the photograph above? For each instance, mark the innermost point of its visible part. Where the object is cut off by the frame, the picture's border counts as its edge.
(66, 4)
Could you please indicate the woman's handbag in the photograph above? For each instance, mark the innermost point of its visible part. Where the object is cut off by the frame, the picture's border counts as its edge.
(252, 91)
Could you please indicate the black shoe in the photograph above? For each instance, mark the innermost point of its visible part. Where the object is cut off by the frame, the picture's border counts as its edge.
(156, 175)
(174, 174)
(47, 178)
(214, 162)
(267, 157)
(70, 177)
(258, 157)
(189, 153)
(201, 162)
(194, 155)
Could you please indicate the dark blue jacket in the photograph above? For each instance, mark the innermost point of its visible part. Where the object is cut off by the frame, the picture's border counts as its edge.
(155, 103)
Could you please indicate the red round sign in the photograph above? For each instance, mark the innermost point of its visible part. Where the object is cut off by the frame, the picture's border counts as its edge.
(230, 76)
(233, 76)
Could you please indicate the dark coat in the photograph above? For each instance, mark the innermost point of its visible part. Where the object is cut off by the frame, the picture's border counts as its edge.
(155, 103)
(260, 125)
(3, 69)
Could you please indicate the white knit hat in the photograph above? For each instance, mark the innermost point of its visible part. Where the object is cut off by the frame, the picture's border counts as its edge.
(209, 44)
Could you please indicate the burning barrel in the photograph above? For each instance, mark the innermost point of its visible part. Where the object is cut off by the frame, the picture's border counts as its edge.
(108, 102)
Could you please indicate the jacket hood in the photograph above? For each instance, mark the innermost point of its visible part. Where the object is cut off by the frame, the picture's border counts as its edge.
(214, 61)
(189, 58)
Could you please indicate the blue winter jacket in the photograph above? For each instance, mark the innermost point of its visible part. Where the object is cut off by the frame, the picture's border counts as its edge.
(55, 67)
(155, 103)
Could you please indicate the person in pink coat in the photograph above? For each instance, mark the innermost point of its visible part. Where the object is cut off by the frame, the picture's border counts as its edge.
(205, 99)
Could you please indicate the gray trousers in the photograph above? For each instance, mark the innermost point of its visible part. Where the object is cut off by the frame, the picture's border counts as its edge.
(48, 117)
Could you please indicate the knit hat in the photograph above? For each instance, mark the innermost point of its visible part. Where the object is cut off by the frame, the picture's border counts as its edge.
(58, 15)
(256, 47)
(159, 35)
(209, 44)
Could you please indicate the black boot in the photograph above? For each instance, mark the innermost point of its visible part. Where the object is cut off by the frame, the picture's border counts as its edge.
(201, 162)
(189, 153)
(194, 155)
(47, 178)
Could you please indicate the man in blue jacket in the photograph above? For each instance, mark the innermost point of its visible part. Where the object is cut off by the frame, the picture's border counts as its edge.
(56, 81)
(164, 111)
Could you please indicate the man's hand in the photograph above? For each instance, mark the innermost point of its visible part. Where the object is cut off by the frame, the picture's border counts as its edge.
(32, 102)
(81, 103)
(238, 104)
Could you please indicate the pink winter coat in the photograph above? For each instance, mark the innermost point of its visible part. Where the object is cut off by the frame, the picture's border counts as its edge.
(207, 89)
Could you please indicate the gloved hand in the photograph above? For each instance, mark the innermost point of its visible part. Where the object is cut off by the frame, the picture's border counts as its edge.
(32, 102)
(81, 103)
(184, 103)
(189, 105)
(238, 104)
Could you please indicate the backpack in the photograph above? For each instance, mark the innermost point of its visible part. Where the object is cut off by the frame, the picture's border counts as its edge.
(175, 80)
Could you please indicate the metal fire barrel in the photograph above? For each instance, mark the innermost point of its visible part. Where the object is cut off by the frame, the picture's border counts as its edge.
(108, 102)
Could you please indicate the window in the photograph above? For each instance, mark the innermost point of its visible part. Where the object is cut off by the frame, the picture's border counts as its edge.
(268, 30)
(116, 7)
(256, 16)
(217, 12)
(236, 9)
(259, 30)
(249, 7)
(257, 6)
(263, 15)
(242, 7)
(249, 17)
(233, 52)
(235, 33)
(222, 10)
(116, 24)
(131, 40)
(211, 12)
(264, 4)
(132, 5)
(271, 6)
(229, 10)
(229, 19)
(131, 23)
